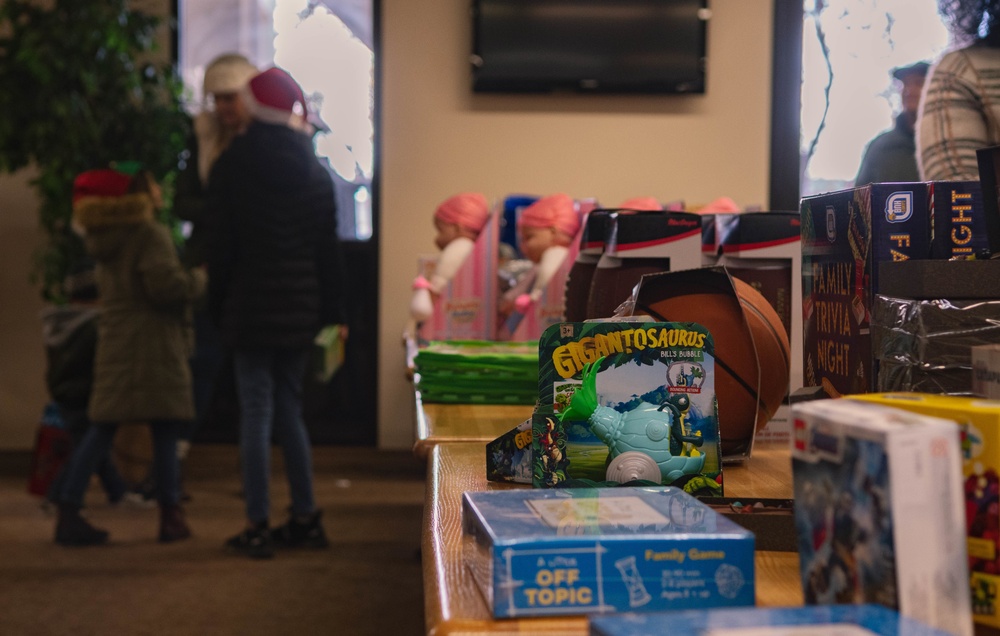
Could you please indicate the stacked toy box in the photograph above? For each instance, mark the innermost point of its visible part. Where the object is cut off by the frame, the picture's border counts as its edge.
(834, 620)
(979, 428)
(594, 550)
(879, 512)
(477, 371)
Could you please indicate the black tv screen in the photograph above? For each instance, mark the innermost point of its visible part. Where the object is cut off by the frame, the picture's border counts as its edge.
(607, 46)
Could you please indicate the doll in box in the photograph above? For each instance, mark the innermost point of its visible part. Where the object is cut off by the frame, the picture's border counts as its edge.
(458, 221)
(545, 229)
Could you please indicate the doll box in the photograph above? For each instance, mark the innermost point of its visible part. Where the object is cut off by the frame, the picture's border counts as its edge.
(832, 620)
(622, 401)
(979, 427)
(594, 550)
(879, 512)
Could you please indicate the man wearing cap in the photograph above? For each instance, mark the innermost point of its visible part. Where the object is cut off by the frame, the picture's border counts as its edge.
(275, 275)
(892, 156)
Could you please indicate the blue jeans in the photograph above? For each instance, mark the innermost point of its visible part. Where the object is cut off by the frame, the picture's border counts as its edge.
(94, 447)
(269, 386)
(206, 364)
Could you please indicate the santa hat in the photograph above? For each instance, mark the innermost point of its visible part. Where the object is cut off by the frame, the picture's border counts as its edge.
(273, 97)
(556, 211)
(469, 210)
(103, 197)
(227, 73)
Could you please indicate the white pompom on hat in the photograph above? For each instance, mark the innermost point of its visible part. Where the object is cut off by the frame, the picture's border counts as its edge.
(273, 97)
(227, 73)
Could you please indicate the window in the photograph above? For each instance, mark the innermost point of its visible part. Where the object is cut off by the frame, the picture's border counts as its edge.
(327, 46)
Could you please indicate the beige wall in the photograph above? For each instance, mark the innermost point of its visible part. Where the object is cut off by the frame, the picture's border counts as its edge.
(438, 139)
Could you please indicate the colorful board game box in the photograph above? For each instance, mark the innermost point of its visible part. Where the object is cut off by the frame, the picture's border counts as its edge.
(594, 550)
(831, 620)
(979, 426)
(958, 219)
(845, 235)
(623, 401)
(508, 457)
(879, 512)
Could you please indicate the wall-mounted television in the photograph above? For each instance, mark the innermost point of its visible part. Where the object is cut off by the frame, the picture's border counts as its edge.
(599, 46)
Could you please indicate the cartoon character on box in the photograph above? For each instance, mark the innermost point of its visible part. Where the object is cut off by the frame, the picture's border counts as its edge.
(546, 230)
(458, 220)
(635, 438)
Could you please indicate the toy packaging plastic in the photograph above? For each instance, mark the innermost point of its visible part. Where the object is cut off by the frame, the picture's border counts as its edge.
(593, 550)
(626, 401)
(833, 620)
(879, 512)
(979, 425)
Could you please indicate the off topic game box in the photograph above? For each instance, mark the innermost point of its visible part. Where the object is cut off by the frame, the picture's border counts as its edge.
(627, 401)
(596, 550)
(979, 429)
(879, 512)
(833, 620)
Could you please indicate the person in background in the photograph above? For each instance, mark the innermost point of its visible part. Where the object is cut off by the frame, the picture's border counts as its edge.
(275, 279)
(892, 156)
(224, 116)
(70, 334)
(144, 339)
(960, 109)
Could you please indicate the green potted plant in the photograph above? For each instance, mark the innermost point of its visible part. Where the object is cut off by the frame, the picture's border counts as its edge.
(80, 92)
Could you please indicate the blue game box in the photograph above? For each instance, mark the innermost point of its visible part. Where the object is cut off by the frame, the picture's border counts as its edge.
(832, 620)
(564, 551)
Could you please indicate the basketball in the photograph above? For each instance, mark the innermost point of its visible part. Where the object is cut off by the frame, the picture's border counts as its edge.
(752, 353)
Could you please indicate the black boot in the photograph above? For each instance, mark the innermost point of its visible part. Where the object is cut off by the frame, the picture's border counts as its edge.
(72, 529)
(301, 532)
(173, 526)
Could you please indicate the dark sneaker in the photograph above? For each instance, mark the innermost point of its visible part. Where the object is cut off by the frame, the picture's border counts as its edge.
(297, 533)
(254, 542)
(74, 530)
(173, 525)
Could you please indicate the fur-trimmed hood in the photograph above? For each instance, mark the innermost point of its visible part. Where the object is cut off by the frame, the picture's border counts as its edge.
(107, 222)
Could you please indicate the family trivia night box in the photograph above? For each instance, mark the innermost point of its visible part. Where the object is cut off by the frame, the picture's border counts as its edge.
(627, 401)
(879, 511)
(845, 234)
(979, 426)
(594, 550)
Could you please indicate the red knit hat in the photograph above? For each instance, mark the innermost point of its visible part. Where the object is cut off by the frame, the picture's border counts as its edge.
(274, 97)
(100, 183)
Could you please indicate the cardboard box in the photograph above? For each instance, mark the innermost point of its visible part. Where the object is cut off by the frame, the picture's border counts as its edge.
(958, 219)
(621, 401)
(833, 620)
(979, 422)
(764, 249)
(466, 309)
(595, 550)
(551, 307)
(879, 512)
(986, 371)
(845, 235)
(640, 243)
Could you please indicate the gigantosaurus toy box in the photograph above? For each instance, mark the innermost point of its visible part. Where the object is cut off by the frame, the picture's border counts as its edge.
(591, 550)
(623, 402)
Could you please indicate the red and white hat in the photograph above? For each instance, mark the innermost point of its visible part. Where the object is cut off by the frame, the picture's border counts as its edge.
(273, 97)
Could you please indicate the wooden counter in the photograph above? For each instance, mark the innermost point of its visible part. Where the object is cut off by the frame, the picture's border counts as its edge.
(481, 423)
(453, 604)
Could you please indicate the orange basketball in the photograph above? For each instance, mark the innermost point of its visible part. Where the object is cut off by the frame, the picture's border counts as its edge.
(751, 346)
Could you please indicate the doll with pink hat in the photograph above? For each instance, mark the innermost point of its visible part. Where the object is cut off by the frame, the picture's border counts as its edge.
(458, 220)
(546, 229)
